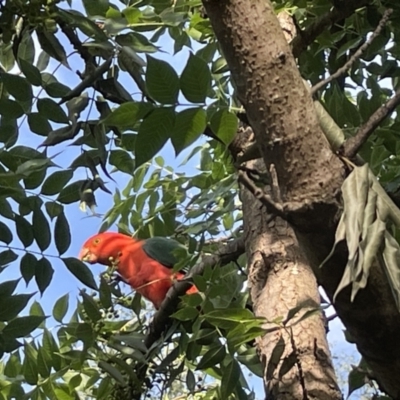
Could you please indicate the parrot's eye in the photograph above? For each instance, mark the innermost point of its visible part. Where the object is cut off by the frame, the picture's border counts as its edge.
(96, 241)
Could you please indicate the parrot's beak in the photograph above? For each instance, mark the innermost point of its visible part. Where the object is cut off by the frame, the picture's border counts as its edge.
(86, 255)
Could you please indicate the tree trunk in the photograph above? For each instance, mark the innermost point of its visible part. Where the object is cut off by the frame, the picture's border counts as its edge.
(310, 176)
(296, 356)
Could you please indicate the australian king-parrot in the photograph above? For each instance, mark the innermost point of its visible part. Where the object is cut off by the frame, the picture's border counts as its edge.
(146, 265)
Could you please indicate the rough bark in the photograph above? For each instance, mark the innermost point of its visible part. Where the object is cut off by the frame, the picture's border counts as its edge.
(281, 114)
(279, 280)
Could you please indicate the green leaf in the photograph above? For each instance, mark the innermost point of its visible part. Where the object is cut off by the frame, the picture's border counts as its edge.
(56, 182)
(39, 124)
(212, 357)
(8, 131)
(24, 230)
(224, 124)
(5, 209)
(7, 257)
(43, 61)
(127, 114)
(105, 293)
(162, 81)
(228, 318)
(41, 229)
(15, 304)
(136, 42)
(53, 209)
(153, 133)
(37, 310)
(358, 377)
(70, 194)
(189, 125)
(49, 109)
(43, 274)
(22, 326)
(91, 307)
(84, 332)
(31, 73)
(53, 87)
(50, 346)
(96, 8)
(43, 363)
(62, 393)
(250, 359)
(190, 381)
(18, 87)
(34, 166)
(29, 367)
(60, 308)
(5, 233)
(62, 234)
(113, 372)
(61, 135)
(10, 108)
(186, 314)
(80, 271)
(230, 378)
(122, 161)
(195, 80)
(26, 47)
(7, 288)
(6, 54)
(13, 366)
(51, 45)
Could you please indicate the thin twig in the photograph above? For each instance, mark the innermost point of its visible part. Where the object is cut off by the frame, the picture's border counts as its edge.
(272, 206)
(76, 43)
(353, 144)
(341, 71)
(331, 317)
(306, 37)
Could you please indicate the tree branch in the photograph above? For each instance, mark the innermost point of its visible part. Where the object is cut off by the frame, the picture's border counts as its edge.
(306, 37)
(226, 253)
(353, 144)
(76, 43)
(272, 206)
(341, 71)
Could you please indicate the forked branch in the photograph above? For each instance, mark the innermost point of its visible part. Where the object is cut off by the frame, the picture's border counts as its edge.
(341, 71)
(353, 144)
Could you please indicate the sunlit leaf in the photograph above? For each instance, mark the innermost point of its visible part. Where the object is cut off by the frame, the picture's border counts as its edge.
(60, 308)
(189, 125)
(224, 124)
(195, 80)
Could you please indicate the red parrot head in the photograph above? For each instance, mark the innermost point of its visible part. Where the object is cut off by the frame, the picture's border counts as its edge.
(104, 247)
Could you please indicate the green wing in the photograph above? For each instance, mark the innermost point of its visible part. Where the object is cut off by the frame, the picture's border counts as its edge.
(166, 251)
